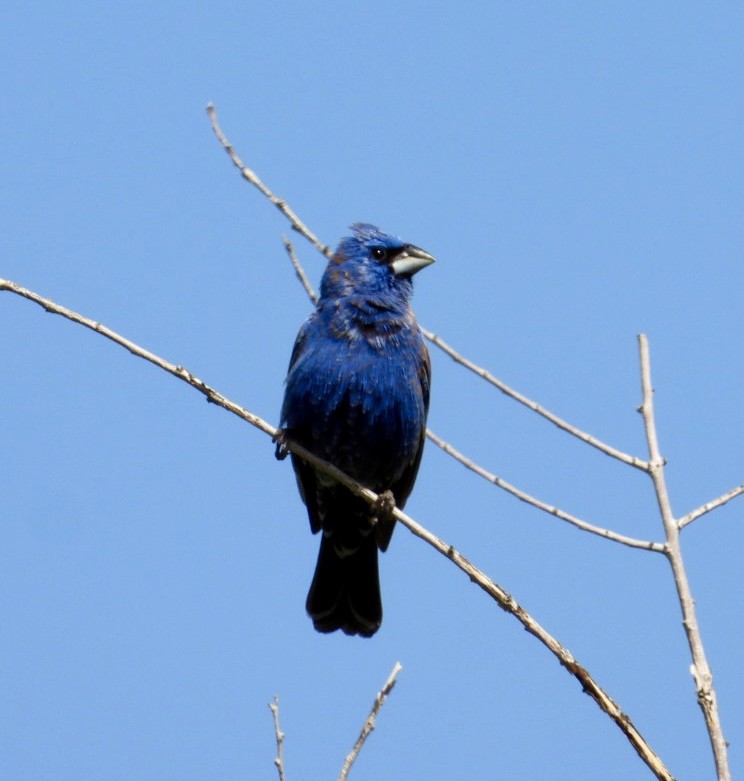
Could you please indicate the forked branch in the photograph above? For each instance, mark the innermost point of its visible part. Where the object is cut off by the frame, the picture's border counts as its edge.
(700, 669)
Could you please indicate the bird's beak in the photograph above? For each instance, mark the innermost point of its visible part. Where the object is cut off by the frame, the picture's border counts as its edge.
(410, 260)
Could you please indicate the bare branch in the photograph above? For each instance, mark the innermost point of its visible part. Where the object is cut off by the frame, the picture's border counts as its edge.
(177, 371)
(701, 671)
(507, 603)
(710, 506)
(502, 598)
(369, 724)
(251, 176)
(608, 534)
(279, 760)
(534, 406)
(299, 270)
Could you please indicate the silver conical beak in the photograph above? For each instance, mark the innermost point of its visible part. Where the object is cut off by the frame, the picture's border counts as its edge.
(410, 260)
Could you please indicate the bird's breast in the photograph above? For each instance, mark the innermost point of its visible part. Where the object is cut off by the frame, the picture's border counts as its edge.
(357, 404)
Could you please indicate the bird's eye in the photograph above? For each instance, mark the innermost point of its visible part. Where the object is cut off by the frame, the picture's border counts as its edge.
(378, 253)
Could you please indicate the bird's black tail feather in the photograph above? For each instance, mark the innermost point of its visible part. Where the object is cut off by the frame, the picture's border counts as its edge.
(345, 592)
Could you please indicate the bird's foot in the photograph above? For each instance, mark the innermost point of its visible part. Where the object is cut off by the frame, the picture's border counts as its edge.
(282, 451)
(383, 519)
(384, 507)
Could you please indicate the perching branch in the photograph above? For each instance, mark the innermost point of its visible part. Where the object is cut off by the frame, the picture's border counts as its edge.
(701, 671)
(507, 603)
(177, 371)
(279, 759)
(504, 600)
(369, 724)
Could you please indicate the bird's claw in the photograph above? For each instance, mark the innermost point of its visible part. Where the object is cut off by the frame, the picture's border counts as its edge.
(384, 507)
(282, 451)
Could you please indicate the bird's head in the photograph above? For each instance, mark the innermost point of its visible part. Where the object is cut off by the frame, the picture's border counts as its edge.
(370, 262)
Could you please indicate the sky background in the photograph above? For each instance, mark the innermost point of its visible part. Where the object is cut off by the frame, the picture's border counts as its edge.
(578, 171)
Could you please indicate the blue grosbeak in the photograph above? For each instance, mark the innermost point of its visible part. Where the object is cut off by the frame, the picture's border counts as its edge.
(357, 395)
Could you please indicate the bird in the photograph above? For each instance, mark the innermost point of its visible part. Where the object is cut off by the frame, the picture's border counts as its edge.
(357, 395)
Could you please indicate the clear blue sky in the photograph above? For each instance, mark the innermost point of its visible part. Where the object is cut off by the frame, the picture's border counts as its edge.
(577, 169)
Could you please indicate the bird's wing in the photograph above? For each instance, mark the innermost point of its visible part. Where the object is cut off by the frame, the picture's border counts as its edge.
(299, 345)
(305, 474)
(404, 485)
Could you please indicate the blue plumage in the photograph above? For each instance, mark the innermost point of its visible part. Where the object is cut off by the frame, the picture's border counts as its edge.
(357, 395)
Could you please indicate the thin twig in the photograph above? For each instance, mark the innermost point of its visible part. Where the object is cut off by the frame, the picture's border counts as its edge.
(639, 463)
(710, 506)
(299, 270)
(700, 669)
(608, 534)
(369, 724)
(496, 592)
(279, 760)
(252, 177)
(177, 371)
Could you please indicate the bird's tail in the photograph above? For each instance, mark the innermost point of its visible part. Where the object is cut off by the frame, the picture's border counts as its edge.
(345, 592)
